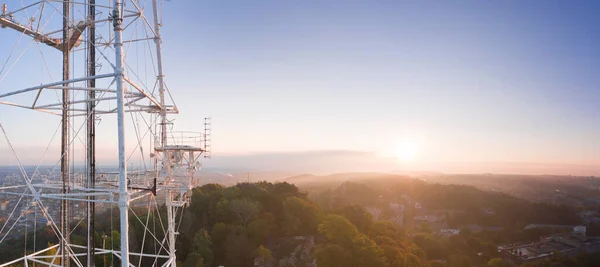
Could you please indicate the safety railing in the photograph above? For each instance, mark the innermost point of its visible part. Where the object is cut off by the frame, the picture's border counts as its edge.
(192, 139)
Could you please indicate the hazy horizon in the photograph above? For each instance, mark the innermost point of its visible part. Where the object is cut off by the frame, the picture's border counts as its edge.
(340, 161)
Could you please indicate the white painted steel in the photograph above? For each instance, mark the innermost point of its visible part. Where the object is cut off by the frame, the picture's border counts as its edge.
(120, 83)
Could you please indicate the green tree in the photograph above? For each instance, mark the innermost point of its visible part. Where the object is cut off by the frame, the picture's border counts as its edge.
(264, 257)
(219, 234)
(301, 217)
(412, 261)
(338, 229)
(432, 246)
(496, 262)
(52, 252)
(290, 224)
(458, 260)
(203, 204)
(238, 248)
(359, 217)
(115, 238)
(258, 230)
(395, 256)
(332, 255)
(223, 211)
(202, 246)
(366, 253)
(340, 232)
(244, 209)
(465, 232)
(425, 228)
(232, 192)
(193, 260)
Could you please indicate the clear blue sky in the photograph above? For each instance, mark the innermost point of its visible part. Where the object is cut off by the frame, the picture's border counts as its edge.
(466, 81)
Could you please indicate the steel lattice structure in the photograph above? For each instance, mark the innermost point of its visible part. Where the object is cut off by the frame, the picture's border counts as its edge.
(98, 42)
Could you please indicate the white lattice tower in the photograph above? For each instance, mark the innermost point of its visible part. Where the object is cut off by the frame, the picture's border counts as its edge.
(109, 86)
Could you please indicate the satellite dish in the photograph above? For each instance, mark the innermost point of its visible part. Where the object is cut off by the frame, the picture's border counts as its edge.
(176, 157)
(163, 171)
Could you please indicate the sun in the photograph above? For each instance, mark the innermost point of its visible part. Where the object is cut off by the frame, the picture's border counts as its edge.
(407, 151)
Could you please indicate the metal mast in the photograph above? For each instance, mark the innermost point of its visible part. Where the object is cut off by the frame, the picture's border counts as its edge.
(119, 81)
(91, 130)
(161, 75)
(163, 135)
(64, 166)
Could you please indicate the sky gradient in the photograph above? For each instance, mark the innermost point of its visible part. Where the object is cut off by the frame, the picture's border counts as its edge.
(465, 82)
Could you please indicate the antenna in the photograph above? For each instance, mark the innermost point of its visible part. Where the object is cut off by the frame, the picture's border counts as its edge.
(207, 137)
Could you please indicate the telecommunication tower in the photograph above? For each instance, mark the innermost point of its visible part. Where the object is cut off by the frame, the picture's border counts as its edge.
(111, 70)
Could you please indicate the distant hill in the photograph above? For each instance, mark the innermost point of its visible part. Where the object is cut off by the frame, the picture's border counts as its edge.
(565, 190)
(340, 178)
(312, 183)
(232, 177)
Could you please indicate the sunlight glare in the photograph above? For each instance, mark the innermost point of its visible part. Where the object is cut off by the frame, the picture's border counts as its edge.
(406, 151)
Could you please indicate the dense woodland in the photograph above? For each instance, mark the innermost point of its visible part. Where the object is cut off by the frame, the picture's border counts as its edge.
(280, 224)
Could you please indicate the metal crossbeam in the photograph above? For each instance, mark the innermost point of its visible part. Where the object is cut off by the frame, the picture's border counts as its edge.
(59, 83)
(40, 37)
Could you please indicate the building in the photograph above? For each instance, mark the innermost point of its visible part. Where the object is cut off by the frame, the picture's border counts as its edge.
(548, 226)
(566, 244)
(431, 218)
(375, 212)
(448, 232)
(488, 211)
(3, 205)
(435, 220)
(398, 213)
